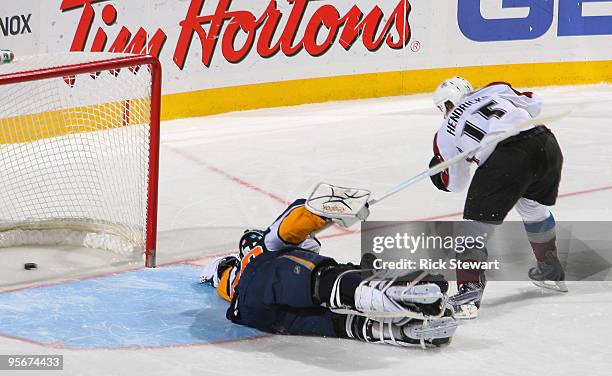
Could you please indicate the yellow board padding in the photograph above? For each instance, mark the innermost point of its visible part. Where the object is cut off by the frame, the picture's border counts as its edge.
(36, 126)
(31, 127)
(372, 85)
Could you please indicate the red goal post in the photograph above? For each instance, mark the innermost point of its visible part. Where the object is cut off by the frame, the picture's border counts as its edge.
(79, 151)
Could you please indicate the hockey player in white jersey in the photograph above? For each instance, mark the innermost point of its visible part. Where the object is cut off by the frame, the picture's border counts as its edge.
(522, 171)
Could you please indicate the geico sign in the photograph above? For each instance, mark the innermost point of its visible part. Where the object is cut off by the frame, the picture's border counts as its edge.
(238, 32)
(541, 13)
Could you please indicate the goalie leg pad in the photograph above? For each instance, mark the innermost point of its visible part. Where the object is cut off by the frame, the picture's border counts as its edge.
(428, 333)
(392, 295)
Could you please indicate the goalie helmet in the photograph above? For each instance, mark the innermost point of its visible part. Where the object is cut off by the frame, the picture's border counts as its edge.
(451, 90)
(249, 240)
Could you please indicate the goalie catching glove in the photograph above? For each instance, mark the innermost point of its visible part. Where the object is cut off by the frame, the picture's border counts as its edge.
(344, 206)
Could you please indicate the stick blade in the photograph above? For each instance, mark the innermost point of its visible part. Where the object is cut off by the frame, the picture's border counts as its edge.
(559, 286)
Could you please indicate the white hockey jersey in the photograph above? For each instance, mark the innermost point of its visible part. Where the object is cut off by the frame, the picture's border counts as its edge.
(486, 112)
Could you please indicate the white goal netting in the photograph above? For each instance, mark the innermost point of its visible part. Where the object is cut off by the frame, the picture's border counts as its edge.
(75, 162)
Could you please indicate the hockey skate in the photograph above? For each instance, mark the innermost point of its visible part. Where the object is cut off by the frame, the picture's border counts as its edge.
(467, 300)
(409, 332)
(549, 274)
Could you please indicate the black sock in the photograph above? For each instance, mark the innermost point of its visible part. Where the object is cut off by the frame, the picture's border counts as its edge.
(348, 284)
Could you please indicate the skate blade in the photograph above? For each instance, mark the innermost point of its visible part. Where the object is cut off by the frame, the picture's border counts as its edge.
(558, 286)
(421, 294)
(466, 311)
(434, 329)
(466, 298)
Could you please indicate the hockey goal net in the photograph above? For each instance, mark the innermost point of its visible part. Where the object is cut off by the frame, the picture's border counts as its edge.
(79, 145)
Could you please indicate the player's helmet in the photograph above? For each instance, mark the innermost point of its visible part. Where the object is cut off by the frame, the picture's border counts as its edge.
(249, 240)
(451, 90)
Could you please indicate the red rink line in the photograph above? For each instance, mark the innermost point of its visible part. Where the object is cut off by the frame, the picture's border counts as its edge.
(59, 346)
(457, 214)
(192, 261)
(29, 341)
(71, 279)
(430, 218)
(586, 191)
(232, 178)
(239, 181)
(185, 345)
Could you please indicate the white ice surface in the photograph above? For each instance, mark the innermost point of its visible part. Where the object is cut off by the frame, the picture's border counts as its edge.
(221, 174)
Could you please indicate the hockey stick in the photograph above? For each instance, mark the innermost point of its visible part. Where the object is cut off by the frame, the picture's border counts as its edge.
(469, 153)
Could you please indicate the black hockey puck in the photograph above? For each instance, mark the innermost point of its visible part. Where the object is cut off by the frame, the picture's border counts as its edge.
(30, 266)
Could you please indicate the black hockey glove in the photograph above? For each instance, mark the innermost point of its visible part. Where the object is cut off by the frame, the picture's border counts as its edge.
(437, 178)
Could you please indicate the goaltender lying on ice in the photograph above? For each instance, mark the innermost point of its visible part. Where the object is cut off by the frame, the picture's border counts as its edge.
(279, 283)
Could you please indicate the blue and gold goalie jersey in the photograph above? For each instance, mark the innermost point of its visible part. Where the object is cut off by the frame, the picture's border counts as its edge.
(293, 228)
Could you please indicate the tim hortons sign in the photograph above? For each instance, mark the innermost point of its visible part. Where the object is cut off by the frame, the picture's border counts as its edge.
(237, 33)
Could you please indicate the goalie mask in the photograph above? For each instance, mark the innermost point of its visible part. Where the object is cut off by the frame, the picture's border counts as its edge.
(249, 240)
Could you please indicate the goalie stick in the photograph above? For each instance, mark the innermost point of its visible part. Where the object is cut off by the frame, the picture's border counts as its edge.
(469, 153)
